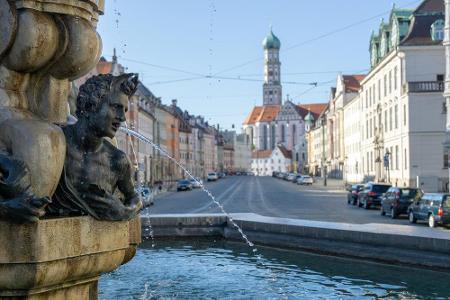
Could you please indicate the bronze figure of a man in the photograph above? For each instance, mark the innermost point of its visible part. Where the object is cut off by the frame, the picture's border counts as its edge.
(94, 169)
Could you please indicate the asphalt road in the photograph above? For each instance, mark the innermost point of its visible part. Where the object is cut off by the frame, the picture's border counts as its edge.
(273, 197)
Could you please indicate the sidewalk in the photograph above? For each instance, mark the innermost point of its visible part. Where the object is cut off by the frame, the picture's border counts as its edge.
(337, 184)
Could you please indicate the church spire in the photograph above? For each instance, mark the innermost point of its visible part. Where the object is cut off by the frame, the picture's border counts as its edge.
(272, 92)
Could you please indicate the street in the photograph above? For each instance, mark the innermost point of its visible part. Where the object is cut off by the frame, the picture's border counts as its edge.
(271, 197)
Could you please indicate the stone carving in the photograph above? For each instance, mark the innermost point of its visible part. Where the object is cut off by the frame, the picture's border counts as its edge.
(94, 168)
(43, 45)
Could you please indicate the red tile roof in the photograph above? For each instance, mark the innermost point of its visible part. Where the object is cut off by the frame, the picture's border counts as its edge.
(104, 67)
(261, 153)
(262, 114)
(352, 82)
(315, 108)
(286, 153)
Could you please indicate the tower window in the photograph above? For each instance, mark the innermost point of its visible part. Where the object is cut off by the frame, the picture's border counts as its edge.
(270, 73)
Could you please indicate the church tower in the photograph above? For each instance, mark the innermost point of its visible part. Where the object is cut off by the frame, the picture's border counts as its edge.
(272, 83)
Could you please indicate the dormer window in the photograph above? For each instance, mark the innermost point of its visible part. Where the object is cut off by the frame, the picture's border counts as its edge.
(394, 36)
(437, 30)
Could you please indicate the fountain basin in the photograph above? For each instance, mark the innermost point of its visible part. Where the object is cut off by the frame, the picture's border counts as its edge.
(62, 258)
(217, 268)
(395, 244)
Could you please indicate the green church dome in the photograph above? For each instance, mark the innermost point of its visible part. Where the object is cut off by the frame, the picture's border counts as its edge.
(309, 117)
(271, 41)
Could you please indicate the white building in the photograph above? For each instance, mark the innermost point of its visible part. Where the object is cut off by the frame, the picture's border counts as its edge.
(264, 162)
(401, 105)
(352, 142)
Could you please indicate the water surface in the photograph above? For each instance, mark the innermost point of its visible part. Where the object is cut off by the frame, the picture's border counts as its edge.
(219, 269)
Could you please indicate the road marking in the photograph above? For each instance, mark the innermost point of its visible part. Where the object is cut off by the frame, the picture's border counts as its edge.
(218, 198)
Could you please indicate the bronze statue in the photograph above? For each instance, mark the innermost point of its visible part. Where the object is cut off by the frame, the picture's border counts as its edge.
(94, 169)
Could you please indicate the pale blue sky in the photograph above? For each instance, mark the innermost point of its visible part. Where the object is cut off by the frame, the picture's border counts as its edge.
(178, 43)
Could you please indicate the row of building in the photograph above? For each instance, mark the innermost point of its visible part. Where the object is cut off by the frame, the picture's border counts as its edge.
(387, 125)
(188, 139)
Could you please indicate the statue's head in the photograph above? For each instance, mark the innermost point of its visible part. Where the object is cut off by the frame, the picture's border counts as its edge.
(103, 102)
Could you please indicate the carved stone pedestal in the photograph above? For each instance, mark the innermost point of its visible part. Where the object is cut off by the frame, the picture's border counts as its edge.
(62, 258)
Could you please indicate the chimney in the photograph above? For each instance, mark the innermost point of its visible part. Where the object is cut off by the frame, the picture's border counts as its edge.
(174, 102)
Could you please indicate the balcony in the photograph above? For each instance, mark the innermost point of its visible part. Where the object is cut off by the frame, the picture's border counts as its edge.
(425, 86)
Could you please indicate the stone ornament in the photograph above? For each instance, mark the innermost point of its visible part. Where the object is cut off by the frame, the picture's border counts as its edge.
(94, 169)
(44, 45)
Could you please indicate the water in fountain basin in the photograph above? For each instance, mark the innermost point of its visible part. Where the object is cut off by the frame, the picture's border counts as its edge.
(162, 151)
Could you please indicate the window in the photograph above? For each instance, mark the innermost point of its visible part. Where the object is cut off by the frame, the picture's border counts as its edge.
(437, 30)
(406, 161)
(440, 77)
(445, 159)
(404, 114)
(395, 78)
(379, 89)
(390, 82)
(370, 131)
(390, 118)
(385, 85)
(283, 133)
(367, 129)
(367, 98)
(385, 121)
(371, 161)
(396, 158)
(396, 116)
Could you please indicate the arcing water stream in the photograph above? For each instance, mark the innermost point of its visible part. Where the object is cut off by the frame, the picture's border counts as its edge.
(222, 209)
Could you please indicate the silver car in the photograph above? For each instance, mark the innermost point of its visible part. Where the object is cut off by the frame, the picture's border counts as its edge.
(197, 183)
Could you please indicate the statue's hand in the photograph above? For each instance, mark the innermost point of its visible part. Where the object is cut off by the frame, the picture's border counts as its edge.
(108, 207)
(26, 209)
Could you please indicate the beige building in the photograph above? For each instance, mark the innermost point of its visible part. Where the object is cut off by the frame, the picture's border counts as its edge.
(401, 105)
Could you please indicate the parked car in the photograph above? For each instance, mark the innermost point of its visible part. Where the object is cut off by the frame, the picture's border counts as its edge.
(197, 183)
(433, 207)
(353, 192)
(396, 200)
(184, 185)
(221, 175)
(371, 194)
(291, 177)
(212, 176)
(305, 180)
(147, 196)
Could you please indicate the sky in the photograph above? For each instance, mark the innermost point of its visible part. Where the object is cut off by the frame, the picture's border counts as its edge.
(208, 54)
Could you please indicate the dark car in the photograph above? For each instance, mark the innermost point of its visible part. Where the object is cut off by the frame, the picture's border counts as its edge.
(432, 207)
(397, 200)
(353, 192)
(371, 194)
(184, 185)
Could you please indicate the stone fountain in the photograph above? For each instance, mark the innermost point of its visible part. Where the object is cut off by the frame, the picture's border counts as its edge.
(54, 243)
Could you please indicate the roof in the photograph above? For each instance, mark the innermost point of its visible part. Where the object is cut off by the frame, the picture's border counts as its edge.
(352, 82)
(315, 108)
(286, 153)
(262, 114)
(430, 6)
(104, 67)
(261, 153)
(423, 17)
(271, 41)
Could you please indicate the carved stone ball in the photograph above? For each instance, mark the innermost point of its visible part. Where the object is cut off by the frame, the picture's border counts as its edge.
(83, 50)
(35, 43)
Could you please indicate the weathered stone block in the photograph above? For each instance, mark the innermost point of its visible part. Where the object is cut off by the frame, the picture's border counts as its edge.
(61, 258)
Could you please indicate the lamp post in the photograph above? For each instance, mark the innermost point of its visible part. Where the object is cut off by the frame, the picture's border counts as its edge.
(324, 166)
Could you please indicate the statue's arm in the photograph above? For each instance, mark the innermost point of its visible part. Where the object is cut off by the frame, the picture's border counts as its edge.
(126, 185)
